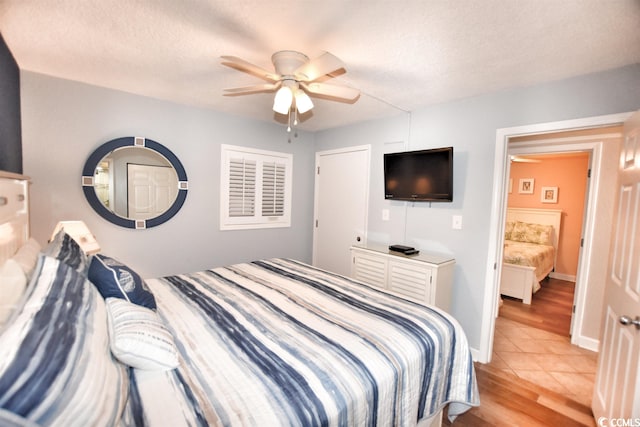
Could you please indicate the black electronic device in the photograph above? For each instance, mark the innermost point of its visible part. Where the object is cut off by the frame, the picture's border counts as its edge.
(401, 248)
(420, 176)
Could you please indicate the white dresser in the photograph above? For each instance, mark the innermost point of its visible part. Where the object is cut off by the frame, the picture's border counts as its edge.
(425, 278)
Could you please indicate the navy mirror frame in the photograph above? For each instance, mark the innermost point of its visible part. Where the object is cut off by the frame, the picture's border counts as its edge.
(94, 159)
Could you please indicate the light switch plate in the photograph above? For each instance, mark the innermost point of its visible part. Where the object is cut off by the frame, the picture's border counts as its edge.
(456, 223)
(385, 214)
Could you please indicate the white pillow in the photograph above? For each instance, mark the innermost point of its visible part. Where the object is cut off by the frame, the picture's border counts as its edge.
(139, 338)
(27, 256)
(13, 283)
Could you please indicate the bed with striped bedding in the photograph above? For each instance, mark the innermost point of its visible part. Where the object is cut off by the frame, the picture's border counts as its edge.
(278, 342)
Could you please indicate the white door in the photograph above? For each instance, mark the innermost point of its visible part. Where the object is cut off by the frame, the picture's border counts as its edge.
(341, 201)
(151, 190)
(617, 387)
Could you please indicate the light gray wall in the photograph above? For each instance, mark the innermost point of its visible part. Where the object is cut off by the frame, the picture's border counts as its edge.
(64, 121)
(470, 126)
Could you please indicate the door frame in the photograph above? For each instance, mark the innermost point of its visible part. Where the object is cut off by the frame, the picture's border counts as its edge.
(499, 207)
(367, 149)
(591, 145)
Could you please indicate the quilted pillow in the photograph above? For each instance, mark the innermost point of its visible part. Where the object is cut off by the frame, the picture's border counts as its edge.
(508, 230)
(67, 250)
(13, 283)
(9, 419)
(115, 280)
(532, 233)
(139, 337)
(56, 367)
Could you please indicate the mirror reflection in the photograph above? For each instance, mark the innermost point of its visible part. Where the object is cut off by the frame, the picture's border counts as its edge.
(136, 183)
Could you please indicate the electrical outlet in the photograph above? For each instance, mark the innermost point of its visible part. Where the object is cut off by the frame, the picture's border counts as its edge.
(456, 223)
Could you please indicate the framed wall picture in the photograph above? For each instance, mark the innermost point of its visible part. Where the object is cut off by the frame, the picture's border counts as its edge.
(549, 195)
(525, 186)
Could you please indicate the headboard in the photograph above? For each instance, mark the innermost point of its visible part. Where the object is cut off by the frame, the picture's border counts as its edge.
(14, 213)
(538, 216)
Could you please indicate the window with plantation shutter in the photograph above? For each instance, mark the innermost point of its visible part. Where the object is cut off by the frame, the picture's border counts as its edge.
(255, 188)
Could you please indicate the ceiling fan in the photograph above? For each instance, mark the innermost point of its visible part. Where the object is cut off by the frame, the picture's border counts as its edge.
(295, 77)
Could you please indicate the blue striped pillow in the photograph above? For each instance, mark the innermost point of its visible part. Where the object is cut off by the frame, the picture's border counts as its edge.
(139, 337)
(9, 419)
(57, 368)
(67, 250)
(115, 280)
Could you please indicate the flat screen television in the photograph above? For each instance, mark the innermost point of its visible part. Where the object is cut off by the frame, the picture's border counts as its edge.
(424, 175)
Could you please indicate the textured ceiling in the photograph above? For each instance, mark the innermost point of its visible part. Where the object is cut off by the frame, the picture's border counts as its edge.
(402, 55)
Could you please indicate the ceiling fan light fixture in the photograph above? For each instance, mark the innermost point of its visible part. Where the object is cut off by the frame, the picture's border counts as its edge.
(283, 99)
(303, 102)
(295, 77)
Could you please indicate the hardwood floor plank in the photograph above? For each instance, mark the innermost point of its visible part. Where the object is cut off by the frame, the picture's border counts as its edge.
(563, 407)
(509, 401)
(550, 307)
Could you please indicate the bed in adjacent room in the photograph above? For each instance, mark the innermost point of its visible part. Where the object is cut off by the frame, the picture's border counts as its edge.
(530, 250)
(268, 342)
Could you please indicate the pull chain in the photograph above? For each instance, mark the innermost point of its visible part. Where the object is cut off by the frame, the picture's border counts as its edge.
(292, 122)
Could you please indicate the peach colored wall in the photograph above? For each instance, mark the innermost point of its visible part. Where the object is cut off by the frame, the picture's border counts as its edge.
(569, 174)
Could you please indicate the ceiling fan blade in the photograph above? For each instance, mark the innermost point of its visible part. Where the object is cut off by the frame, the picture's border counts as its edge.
(266, 87)
(324, 64)
(247, 67)
(332, 91)
(518, 159)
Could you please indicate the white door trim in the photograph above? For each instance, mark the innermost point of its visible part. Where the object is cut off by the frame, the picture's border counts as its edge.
(498, 212)
(319, 154)
(594, 147)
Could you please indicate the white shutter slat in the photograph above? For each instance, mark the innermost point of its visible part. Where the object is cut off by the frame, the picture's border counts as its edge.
(273, 189)
(242, 185)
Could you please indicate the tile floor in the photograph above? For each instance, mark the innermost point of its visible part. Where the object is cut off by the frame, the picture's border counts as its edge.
(544, 358)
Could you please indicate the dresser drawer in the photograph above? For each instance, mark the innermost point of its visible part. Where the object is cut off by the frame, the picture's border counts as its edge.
(411, 282)
(370, 269)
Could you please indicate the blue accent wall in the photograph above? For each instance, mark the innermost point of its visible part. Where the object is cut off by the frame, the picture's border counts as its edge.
(10, 128)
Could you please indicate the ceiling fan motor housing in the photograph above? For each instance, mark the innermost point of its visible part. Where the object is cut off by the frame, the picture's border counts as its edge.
(286, 62)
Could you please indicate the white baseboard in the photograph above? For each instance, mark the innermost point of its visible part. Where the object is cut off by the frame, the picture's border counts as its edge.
(588, 343)
(475, 355)
(561, 276)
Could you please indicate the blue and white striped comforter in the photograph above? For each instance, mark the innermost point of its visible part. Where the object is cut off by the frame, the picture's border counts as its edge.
(278, 342)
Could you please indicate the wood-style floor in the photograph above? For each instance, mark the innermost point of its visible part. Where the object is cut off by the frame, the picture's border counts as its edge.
(508, 400)
(550, 308)
(511, 401)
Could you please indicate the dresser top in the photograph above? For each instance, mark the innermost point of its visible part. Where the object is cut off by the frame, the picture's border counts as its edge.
(430, 257)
